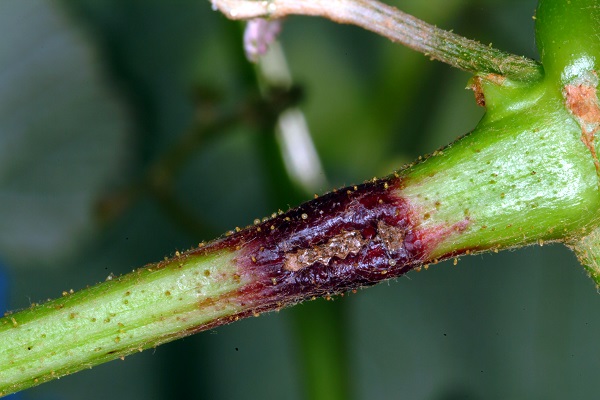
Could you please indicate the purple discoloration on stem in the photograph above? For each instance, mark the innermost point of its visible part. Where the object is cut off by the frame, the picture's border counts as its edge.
(347, 235)
(349, 238)
(345, 239)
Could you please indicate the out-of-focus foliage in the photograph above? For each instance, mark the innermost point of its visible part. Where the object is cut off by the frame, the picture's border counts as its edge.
(94, 93)
(61, 133)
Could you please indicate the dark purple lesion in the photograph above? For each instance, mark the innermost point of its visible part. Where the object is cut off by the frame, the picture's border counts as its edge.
(351, 237)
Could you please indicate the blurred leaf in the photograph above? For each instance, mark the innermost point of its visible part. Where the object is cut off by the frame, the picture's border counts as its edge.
(62, 133)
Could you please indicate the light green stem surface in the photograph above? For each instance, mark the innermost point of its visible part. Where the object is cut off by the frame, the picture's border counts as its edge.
(143, 309)
(522, 176)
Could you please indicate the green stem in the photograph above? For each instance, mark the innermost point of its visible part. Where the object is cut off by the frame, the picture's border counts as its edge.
(567, 33)
(397, 26)
(125, 315)
(510, 186)
(527, 173)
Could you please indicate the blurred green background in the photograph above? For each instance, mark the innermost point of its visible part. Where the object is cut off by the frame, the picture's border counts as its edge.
(99, 101)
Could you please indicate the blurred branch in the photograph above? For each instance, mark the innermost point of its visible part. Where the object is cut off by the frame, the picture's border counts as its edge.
(387, 21)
